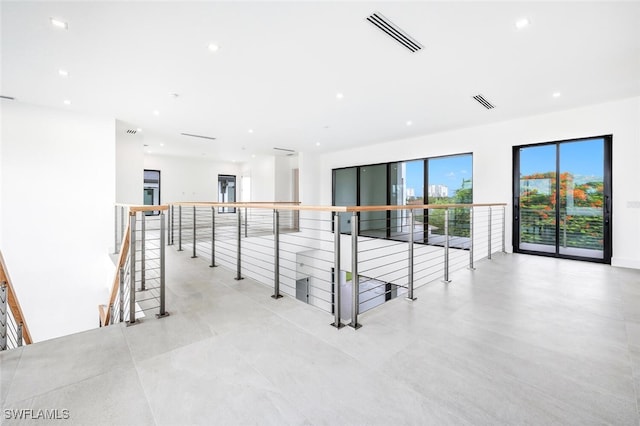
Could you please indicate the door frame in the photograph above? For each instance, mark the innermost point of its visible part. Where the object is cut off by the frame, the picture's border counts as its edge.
(607, 202)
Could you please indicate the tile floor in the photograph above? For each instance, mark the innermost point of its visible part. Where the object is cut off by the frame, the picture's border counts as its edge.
(520, 340)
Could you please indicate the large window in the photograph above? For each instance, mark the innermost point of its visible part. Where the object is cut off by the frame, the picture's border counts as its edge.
(441, 180)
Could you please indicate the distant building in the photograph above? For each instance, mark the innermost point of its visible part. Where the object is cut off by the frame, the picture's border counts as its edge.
(438, 191)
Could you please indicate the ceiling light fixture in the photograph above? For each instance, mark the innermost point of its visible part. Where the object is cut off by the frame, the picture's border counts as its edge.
(250, 130)
(156, 112)
(339, 95)
(253, 156)
(63, 73)
(161, 144)
(409, 123)
(557, 94)
(522, 23)
(213, 47)
(139, 129)
(67, 102)
(317, 143)
(59, 24)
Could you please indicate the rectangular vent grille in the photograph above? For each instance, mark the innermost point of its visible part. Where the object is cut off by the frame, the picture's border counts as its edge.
(284, 149)
(9, 98)
(393, 31)
(198, 136)
(482, 101)
(132, 131)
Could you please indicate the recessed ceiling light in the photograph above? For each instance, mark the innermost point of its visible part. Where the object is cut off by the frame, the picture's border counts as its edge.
(253, 156)
(59, 24)
(161, 144)
(317, 143)
(67, 102)
(213, 47)
(233, 161)
(522, 23)
(63, 73)
(409, 123)
(339, 95)
(148, 151)
(250, 130)
(557, 94)
(139, 129)
(156, 112)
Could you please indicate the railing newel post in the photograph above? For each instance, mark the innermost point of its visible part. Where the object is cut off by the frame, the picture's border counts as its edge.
(163, 312)
(132, 269)
(471, 218)
(4, 295)
(446, 246)
(355, 281)
(337, 323)
(410, 295)
(489, 242)
(276, 254)
(194, 255)
(143, 252)
(121, 296)
(19, 335)
(239, 246)
(180, 228)
(213, 238)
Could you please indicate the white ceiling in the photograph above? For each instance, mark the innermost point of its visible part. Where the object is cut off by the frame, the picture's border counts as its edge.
(280, 65)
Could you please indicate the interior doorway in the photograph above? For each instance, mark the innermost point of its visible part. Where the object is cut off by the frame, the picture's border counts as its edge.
(226, 192)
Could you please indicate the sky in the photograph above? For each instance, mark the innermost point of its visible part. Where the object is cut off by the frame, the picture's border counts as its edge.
(582, 159)
(447, 171)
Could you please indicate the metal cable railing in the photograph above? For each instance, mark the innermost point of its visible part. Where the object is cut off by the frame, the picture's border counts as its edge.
(303, 252)
(13, 328)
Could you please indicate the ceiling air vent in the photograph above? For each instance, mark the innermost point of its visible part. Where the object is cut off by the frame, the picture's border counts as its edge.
(198, 136)
(9, 98)
(132, 131)
(390, 29)
(284, 149)
(482, 101)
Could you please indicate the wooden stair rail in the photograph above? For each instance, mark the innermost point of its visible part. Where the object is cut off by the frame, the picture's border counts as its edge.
(12, 301)
(105, 311)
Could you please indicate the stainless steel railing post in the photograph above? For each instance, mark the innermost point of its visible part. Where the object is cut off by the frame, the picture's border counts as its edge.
(355, 282)
(116, 246)
(194, 255)
(121, 296)
(238, 252)
(412, 224)
(213, 238)
(246, 218)
(179, 228)
(143, 252)
(276, 255)
(471, 216)
(121, 227)
(132, 269)
(19, 335)
(504, 220)
(337, 323)
(446, 246)
(3, 315)
(489, 242)
(173, 210)
(169, 225)
(163, 312)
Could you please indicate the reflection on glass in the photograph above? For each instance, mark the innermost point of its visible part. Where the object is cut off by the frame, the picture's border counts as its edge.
(345, 193)
(449, 182)
(373, 184)
(406, 187)
(582, 198)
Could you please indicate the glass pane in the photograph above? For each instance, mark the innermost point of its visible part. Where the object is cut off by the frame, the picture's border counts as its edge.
(450, 182)
(406, 187)
(538, 198)
(345, 194)
(582, 198)
(373, 192)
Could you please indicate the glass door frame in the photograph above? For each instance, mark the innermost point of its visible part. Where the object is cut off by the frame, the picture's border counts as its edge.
(607, 202)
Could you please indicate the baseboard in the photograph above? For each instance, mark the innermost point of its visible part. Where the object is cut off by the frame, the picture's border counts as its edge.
(625, 263)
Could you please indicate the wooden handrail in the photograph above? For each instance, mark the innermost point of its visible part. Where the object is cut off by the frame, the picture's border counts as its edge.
(339, 209)
(105, 311)
(12, 300)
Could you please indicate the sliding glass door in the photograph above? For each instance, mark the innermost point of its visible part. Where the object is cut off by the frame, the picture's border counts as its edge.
(562, 199)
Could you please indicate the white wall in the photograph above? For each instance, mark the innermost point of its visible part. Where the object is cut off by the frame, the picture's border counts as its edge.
(58, 189)
(492, 159)
(189, 179)
(129, 165)
(262, 172)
